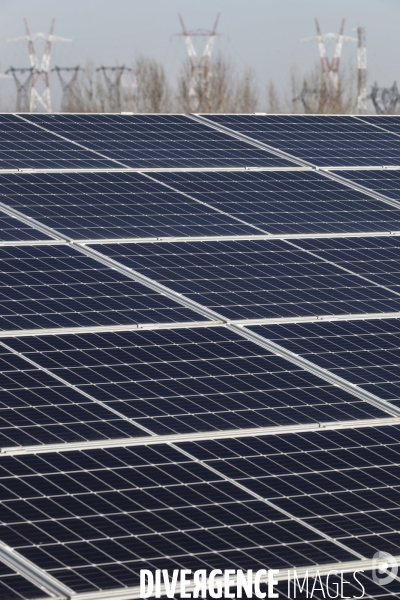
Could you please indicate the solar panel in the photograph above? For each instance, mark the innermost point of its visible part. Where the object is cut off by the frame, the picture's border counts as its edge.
(150, 417)
(113, 205)
(287, 201)
(37, 408)
(376, 258)
(364, 352)
(384, 182)
(189, 380)
(325, 479)
(57, 286)
(97, 517)
(25, 146)
(250, 279)
(325, 141)
(12, 230)
(388, 122)
(157, 141)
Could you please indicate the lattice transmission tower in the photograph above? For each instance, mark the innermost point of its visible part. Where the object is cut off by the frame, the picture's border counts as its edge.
(122, 87)
(200, 66)
(40, 94)
(68, 78)
(330, 67)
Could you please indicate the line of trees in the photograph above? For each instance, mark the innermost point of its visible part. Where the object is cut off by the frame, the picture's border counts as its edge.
(150, 90)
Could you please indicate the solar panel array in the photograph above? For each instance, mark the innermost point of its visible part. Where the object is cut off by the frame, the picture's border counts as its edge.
(199, 349)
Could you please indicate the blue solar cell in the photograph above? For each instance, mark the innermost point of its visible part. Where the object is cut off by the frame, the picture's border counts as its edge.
(319, 140)
(25, 146)
(112, 205)
(157, 141)
(287, 202)
(191, 380)
(253, 279)
(57, 286)
(363, 352)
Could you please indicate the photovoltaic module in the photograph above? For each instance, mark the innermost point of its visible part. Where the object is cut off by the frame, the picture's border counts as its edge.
(199, 351)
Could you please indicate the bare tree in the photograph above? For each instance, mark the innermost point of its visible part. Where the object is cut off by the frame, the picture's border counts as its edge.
(317, 95)
(273, 103)
(154, 93)
(89, 94)
(225, 91)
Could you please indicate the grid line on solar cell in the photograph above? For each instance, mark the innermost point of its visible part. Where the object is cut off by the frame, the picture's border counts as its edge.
(180, 512)
(217, 210)
(193, 380)
(343, 483)
(15, 231)
(379, 184)
(365, 353)
(349, 179)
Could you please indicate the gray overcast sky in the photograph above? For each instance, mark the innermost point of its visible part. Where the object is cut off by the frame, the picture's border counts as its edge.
(263, 34)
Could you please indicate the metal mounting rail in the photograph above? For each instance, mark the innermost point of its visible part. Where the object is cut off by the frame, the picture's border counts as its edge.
(320, 372)
(231, 238)
(329, 172)
(120, 169)
(12, 212)
(33, 573)
(17, 243)
(77, 330)
(179, 438)
(84, 329)
(202, 238)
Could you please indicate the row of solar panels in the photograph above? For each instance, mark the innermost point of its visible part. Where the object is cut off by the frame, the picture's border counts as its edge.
(92, 517)
(118, 205)
(176, 141)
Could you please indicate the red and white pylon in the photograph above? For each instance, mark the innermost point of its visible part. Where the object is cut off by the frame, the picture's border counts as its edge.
(40, 68)
(200, 66)
(330, 68)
